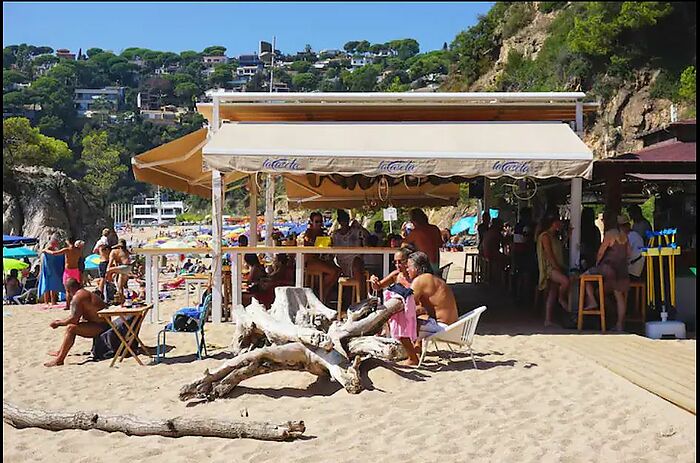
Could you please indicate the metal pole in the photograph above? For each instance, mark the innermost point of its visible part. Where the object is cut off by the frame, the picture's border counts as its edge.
(272, 65)
(216, 231)
(269, 209)
(253, 212)
(158, 206)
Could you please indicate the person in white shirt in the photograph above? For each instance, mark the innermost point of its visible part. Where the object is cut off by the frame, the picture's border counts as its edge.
(351, 235)
(635, 262)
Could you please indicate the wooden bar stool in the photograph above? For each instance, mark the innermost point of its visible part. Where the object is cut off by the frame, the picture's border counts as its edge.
(354, 285)
(582, 297)
(640, 300)
(471, 267)
(310, 280)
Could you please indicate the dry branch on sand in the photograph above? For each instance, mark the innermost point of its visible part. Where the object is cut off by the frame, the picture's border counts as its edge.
(135, 426)
(300, 333)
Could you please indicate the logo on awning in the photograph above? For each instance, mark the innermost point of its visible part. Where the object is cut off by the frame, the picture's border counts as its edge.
(281, 164)
(512, 167)
(397, 166)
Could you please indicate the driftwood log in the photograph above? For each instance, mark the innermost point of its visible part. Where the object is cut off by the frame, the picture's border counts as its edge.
(300, 333)
(135, 426)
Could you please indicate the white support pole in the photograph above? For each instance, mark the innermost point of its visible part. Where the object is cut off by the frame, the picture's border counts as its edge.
(576, 198)
(216, 231)
(299, 271)
(236, 293)
(575, 222)
(149, 283)
(155, 265)
(269, 209)
(253, 211)
(579, 119)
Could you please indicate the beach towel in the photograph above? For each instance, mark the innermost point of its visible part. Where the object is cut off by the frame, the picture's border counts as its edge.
(402, 324)
(51, 277)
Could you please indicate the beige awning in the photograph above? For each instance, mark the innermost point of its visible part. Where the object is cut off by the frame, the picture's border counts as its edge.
(310, 193)
(178, 165)
(442, 149)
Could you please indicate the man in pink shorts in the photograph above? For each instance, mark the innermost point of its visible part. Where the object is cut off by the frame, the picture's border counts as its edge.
(72, 252)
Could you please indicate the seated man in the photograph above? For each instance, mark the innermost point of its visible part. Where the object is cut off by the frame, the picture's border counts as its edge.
(317, 263)
(351, 236)
(83, 319)
(12, 285)
(433, 297)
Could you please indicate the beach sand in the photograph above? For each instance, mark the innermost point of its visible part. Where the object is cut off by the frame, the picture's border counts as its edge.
(528, 401)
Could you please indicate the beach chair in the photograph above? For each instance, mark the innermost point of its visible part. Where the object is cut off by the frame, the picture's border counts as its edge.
(460, 333)
(204, 310)
(444, 271)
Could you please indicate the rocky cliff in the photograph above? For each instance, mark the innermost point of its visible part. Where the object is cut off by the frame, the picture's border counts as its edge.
(626, 112)
(38, 202)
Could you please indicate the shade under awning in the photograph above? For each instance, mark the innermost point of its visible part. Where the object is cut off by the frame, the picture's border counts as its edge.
(178, 165)
(302, 194)
(444, 149)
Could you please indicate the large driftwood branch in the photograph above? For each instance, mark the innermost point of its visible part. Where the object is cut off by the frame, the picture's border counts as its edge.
(295, 356)
(278, 332)
(135, 426)
(301, 307)
(377, 347)
(374, 318)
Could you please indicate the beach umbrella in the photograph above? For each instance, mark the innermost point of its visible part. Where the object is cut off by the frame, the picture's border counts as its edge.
(92, 262)
(467, 224)
(17, 240)
(22, 251)
(12, 264)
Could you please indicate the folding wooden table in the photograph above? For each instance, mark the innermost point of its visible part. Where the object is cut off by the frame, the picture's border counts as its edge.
(132, 329)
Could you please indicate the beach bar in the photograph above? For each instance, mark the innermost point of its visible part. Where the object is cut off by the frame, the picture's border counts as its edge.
(382, 146)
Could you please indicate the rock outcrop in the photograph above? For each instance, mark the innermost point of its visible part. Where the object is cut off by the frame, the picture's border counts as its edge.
(39, 202)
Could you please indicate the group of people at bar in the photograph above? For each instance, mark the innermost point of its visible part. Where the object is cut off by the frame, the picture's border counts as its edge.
(533, 252)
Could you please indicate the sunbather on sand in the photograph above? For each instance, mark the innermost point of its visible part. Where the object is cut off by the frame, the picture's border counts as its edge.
(84, 306)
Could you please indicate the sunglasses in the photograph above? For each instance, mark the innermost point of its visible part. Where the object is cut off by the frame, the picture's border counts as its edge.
(397, 262)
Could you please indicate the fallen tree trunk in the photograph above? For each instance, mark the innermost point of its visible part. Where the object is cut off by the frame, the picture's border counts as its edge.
(135, 426)
(295, 356)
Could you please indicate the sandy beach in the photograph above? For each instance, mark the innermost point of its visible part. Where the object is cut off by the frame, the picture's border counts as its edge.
(528, 401)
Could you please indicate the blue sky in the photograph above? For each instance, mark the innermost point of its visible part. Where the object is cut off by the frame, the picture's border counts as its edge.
(182, 26)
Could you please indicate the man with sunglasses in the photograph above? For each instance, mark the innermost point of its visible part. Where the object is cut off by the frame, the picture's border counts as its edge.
(314, 263)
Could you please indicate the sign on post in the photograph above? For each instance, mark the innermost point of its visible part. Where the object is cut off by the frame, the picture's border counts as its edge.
(390, 214)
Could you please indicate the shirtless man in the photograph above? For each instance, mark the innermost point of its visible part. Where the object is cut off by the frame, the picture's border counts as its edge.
(313, 262)
(425, 237)
(433, 297)
(84, 305)
(119, 264)
(72, 252)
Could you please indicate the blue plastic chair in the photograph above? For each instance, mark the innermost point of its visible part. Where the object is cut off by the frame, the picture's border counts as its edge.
(204, 310)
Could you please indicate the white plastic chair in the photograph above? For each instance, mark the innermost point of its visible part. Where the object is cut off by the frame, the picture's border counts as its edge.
(460, 333)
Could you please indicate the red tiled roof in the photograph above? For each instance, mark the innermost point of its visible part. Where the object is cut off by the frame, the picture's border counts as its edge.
(666, 151)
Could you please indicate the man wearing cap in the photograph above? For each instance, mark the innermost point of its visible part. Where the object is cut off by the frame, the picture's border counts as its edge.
(72, 252)
(119, 264)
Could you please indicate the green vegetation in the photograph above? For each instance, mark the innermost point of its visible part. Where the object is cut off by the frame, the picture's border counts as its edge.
(22, 144)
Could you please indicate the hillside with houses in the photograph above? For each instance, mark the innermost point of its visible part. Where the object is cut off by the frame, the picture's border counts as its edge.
(88, 112)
